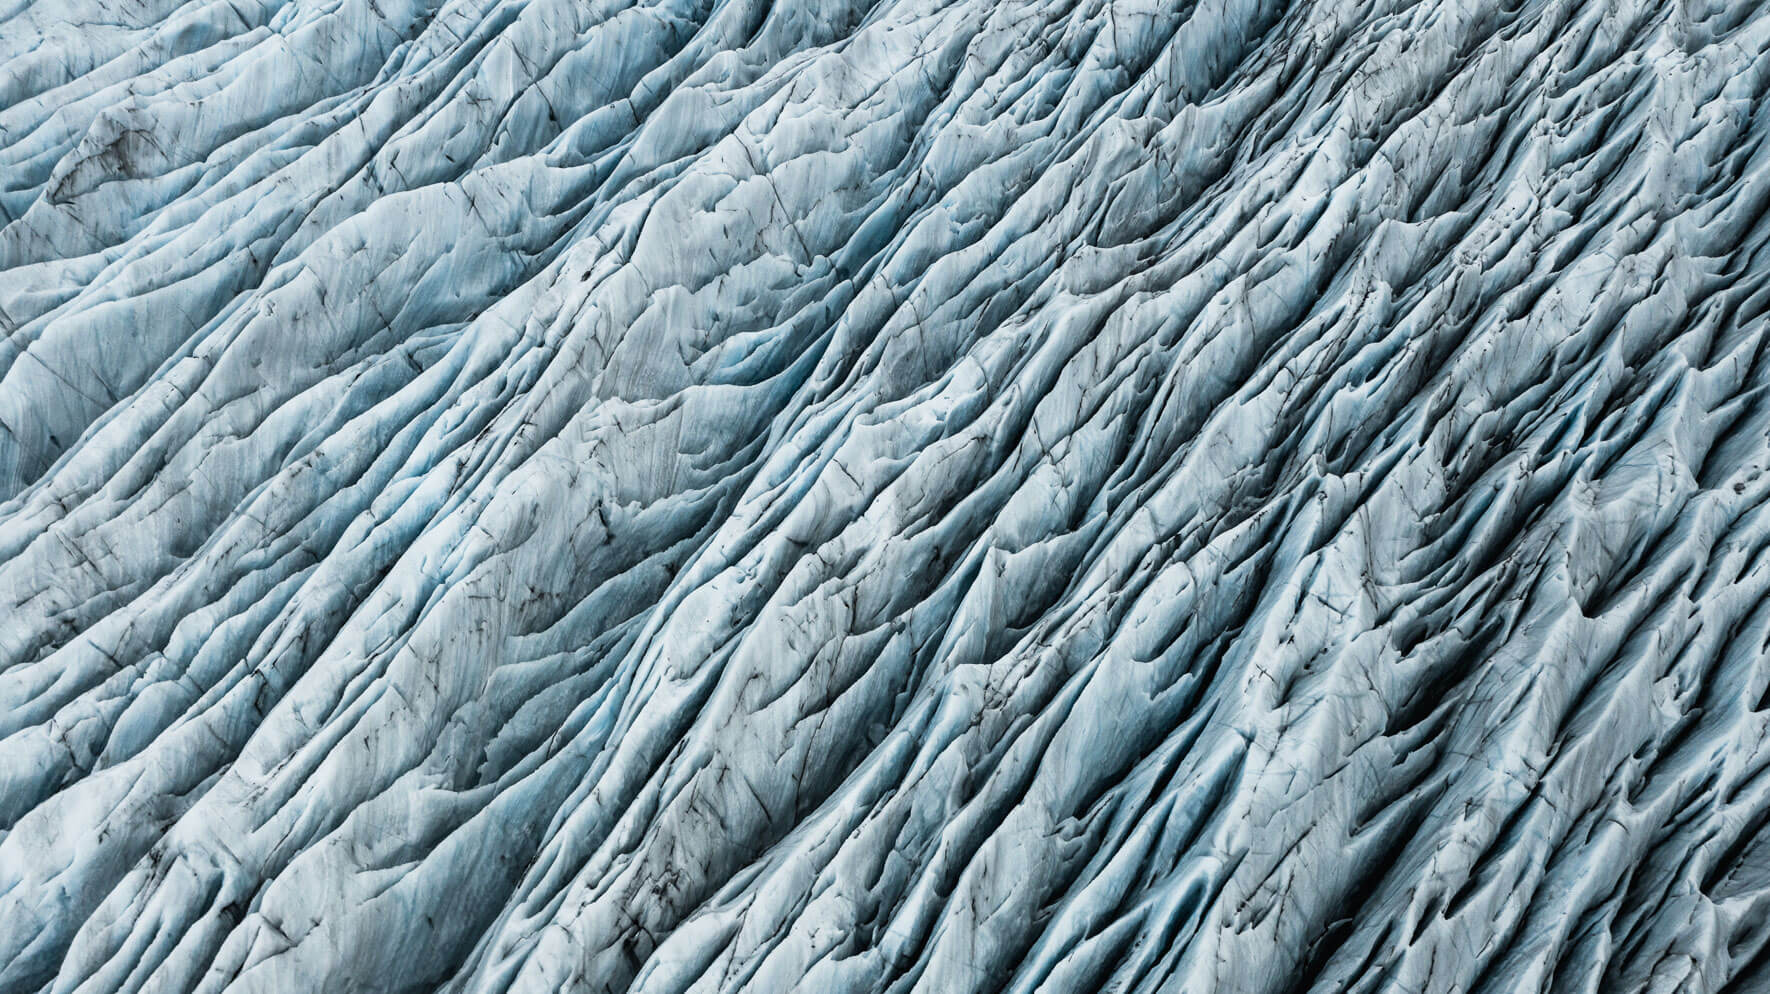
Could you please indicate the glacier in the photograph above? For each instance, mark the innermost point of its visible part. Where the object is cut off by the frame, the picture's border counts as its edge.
(963, 496)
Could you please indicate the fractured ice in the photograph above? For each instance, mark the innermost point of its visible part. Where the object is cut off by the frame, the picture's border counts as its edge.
(996, 495)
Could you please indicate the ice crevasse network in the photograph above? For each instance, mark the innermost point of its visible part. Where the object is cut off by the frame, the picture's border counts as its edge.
(938, 495)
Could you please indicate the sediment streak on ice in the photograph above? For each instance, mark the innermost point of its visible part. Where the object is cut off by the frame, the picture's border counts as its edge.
(537, 495)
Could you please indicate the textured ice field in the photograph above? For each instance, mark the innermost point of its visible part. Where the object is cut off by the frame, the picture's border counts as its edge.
(983, 496)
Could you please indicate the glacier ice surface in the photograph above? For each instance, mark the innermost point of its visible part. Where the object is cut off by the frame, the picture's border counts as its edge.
(994, 495)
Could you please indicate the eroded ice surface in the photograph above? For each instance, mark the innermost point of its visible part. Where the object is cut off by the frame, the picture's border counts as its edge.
(1113, 495)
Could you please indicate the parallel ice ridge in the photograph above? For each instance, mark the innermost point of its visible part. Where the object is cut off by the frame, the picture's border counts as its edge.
(997, 495)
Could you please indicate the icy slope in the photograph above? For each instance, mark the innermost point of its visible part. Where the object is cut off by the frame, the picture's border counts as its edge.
(579, 495)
